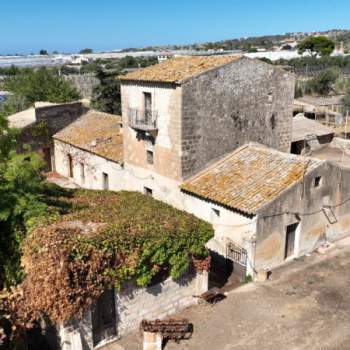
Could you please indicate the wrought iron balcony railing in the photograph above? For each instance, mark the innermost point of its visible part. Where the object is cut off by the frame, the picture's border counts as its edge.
(143, 119)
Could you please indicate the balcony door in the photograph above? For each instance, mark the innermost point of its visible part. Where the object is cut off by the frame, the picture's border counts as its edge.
(148, 106)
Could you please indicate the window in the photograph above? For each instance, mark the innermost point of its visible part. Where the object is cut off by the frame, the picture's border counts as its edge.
(317, 182)
(149, 157)
(70, 165)
(148, 191)
(105, 181)
(82, 173)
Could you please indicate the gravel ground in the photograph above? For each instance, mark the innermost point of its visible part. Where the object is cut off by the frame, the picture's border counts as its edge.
(305, 305)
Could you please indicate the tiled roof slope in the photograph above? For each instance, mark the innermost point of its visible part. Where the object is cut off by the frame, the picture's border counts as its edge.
(96, 132)
(176, 70)
(250, 177)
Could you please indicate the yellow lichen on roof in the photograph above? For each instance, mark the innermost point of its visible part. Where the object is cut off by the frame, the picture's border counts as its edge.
(96, 132)
(250, 177)
(177, 69)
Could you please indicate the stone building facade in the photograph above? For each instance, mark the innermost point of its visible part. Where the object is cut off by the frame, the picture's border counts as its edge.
(90, 152)
(201, 108)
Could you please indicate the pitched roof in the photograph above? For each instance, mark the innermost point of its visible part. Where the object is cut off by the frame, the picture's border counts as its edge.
(320, 100)
(249, 178)
(303, 126)
(176, 70)
(22, 119)
(96, 132)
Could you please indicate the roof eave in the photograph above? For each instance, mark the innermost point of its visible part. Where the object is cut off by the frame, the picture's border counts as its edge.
(175, 82)
(231, 208)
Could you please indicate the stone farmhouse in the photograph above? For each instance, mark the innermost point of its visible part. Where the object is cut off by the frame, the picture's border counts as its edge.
(212, 136)
(268, 207)
(185, 138)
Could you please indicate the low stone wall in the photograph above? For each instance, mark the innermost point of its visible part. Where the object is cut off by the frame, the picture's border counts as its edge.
(158, 301)
(134, 304)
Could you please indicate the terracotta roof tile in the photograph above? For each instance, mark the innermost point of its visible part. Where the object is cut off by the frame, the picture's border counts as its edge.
(96, 132)
(175, 70)
(250, 177)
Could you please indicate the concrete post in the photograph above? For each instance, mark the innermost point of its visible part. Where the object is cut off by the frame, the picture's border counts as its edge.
(202, 282)
(152, 341)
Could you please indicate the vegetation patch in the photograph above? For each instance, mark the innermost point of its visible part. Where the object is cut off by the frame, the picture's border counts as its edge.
(104, 239)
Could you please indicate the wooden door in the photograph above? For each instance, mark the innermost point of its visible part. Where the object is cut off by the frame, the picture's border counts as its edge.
(290, 240)
(103, 318)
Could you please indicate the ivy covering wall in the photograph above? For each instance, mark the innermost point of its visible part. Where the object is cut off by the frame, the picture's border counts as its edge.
(103, 239)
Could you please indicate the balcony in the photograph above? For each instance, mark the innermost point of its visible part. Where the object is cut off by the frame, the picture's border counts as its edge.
(143, 120)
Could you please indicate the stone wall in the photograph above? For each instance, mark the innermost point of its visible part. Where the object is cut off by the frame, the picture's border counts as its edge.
(159, 301)
(134, 304)
(85, 83)
(50, 118)
(224, 108)
(88, 168)
(58, 116)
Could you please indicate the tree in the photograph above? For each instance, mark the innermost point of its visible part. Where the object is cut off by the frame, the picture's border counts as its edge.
(43, 52)
(41, 85)
(21, 190)
(346, 104)
(323, 83)
(106, 96)
(316, 46)
(86, 51)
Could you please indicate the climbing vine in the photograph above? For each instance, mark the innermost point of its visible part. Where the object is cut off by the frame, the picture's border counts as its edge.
(105, 239)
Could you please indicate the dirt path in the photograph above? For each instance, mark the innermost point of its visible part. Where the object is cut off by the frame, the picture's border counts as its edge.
(306, 305)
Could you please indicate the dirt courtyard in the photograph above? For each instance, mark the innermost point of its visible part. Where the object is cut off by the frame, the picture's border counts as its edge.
(305, 305)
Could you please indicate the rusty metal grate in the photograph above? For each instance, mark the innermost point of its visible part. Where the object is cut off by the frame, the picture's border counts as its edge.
(236, 253)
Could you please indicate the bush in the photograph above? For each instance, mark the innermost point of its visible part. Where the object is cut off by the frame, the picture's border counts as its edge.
(41, 85)
(323, 83)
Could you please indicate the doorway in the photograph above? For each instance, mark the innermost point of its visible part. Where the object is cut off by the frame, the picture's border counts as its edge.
(105, 181)
(104, 318)
(47, 158)
(290, 240)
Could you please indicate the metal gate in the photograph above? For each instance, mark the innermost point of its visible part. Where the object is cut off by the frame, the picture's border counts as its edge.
(236, 253)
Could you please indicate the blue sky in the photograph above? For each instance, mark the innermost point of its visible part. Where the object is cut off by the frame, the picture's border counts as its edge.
(70, 25)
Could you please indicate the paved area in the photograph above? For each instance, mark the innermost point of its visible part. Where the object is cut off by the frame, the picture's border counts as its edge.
(305, 305)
